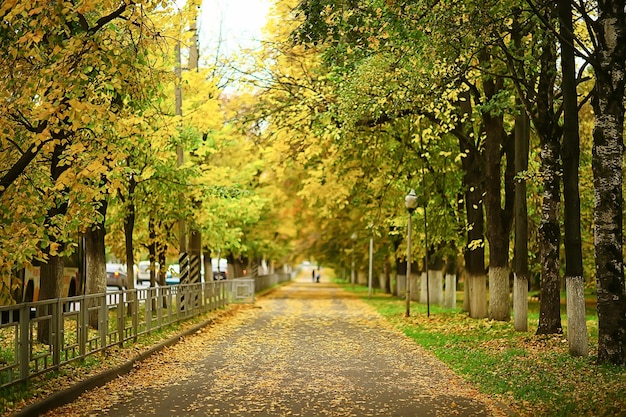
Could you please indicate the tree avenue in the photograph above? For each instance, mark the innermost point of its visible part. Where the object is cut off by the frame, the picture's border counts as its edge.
(495, 113)
(492, 61)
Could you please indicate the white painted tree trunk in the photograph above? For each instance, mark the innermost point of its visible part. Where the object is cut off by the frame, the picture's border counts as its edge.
(436, 287)
(415, 278)
(450, 294)
(466, 297)
(499, 294)
(382, 280)
(576, 319)
(400, 286)
(520, 303)
(477, 296)
(423, 299)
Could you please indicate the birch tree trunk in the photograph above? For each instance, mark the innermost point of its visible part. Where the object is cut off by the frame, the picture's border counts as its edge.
(608, 109)
(549, 131)
(550, 233)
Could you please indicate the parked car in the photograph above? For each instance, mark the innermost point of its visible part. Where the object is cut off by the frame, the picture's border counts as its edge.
(172, 275)
(143, 271)
(116, 276)
(220, 268)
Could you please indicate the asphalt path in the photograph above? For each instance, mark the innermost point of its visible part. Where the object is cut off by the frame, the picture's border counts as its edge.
(306, 349)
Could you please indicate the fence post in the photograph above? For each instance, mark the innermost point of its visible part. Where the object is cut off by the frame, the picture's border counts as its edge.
(148, 307)
(170, 306)
(23, 358)
(103, 322)
(121, 314)
(57, 326)
(210, 292)
(83, 326)
(135, 309)
(205, 297)
(159, 305)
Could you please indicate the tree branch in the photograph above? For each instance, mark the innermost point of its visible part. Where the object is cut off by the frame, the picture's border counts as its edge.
(109, 18)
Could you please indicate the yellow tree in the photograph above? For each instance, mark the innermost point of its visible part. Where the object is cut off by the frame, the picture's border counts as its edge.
(71, 71)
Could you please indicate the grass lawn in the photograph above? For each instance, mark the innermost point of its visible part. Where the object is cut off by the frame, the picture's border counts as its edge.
(533, 375)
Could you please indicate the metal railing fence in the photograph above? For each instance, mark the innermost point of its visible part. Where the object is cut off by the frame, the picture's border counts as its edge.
(263, 282)
(41, 336)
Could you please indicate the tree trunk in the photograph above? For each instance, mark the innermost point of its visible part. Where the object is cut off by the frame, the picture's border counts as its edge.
(386, 284)
(208, 266)
(152, 252)
(549, 238)
(237, 267)
(499, 293)
(450, 293)
(608, 109)
(161, 250)
(574, 280)
(51, 286)
(51, 279)
(400, 289)
(477, 294)
(129, 226)
(436, 286)
(466, 298)
(520, 285)
(435, 267)
(51, 273)
(95, 262)
(549, 228)
(522, 143)
(499, 220)
(474, 251)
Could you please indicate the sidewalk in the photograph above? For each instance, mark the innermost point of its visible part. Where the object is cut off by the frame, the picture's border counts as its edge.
(307, 349)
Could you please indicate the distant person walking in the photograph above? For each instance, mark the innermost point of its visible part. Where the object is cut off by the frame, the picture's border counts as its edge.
(313, 275)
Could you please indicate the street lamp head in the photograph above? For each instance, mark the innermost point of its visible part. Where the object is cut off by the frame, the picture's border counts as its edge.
(410, 201)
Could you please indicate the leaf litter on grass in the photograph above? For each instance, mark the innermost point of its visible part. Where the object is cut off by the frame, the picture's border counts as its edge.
(534, 374)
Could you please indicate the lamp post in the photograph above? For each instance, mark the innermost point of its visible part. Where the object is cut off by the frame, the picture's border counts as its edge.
(353, 237)
(410, 201)
(369, 276)
(426, 261)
